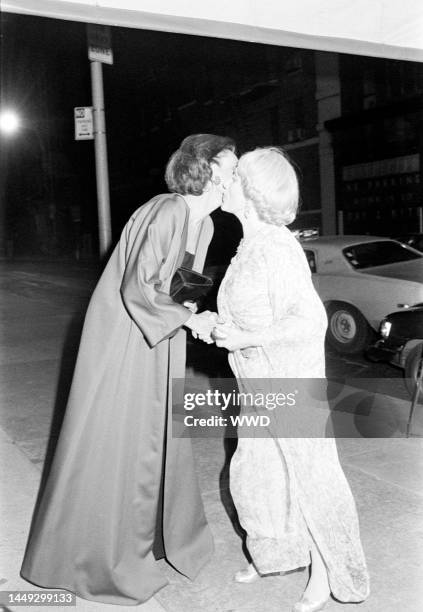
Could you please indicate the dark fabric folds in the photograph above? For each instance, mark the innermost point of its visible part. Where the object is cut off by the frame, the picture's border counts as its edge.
(94, 530)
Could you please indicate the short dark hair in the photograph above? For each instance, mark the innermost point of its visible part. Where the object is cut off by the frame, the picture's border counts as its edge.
(189, 168)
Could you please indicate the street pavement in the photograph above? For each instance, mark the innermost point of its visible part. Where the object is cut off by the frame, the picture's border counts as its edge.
(41, 314)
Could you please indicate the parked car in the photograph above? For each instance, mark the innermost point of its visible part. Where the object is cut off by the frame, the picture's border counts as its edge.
(401, 342)
(361, 279)
(413, 240)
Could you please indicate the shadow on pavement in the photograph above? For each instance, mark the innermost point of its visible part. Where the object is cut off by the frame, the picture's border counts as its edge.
(67, 365)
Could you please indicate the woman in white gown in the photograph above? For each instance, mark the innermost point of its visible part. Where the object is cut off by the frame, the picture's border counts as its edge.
(291, 494)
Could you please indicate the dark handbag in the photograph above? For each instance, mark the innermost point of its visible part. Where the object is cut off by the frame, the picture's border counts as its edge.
(188, 285)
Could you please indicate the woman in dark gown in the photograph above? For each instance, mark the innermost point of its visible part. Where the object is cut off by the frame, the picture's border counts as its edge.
(120, 486)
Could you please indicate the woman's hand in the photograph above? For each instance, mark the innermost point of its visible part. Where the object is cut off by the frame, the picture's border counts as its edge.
(192, 306)
(234, 339)
(202, 325)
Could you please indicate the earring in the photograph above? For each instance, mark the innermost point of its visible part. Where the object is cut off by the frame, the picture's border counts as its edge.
(216, 180)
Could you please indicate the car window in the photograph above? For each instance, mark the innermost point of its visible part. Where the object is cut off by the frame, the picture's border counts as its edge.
(311, 258)
(415, 241)
(380, 253)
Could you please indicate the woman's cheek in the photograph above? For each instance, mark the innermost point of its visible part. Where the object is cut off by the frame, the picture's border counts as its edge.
(236, 199)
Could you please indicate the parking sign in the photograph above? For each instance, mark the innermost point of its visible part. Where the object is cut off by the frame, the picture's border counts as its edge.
(84, 129)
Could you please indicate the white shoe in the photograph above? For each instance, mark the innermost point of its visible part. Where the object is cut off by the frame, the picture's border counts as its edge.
(305, 605)
(247, 575)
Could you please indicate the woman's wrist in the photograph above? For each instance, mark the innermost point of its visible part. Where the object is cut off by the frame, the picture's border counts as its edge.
(190, 322)
(203, 320)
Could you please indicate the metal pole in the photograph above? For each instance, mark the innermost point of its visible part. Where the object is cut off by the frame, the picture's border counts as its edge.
(100, 146)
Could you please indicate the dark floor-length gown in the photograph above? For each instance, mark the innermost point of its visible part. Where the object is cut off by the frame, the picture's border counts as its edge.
(95, 527)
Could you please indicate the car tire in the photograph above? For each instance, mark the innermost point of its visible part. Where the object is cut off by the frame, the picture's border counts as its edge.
(411, 367)
(348, 331)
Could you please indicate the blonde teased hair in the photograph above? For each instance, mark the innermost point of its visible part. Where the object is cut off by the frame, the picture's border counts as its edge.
(270, 182)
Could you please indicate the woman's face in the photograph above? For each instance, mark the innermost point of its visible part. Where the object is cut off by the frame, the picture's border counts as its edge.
(225, 167)
(223, 173)
(234, 199)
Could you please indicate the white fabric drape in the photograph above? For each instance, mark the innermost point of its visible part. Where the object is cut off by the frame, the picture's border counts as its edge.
(383, 28)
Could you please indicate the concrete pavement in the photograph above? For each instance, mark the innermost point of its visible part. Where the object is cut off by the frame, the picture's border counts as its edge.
(40, 318)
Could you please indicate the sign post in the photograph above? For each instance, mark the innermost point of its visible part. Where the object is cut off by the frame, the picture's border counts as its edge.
(84, 128)
(99, 44)
(99, 51)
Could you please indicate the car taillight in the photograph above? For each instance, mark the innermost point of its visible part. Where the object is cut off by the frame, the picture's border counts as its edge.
(385, 328)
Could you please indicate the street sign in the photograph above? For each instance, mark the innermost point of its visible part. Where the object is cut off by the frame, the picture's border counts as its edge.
(99, 44)
(84, 129)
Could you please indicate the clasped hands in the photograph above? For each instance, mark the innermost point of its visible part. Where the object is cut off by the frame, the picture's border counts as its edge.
(209, 327)
(203, 324)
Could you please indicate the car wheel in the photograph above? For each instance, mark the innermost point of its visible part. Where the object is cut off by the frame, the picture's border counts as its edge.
(411, 368)
(348, 331)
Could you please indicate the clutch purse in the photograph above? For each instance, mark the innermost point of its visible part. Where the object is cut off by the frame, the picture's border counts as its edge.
(188, 285)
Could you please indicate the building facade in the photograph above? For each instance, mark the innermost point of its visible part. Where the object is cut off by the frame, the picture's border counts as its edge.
(378, 145)
(352, 126)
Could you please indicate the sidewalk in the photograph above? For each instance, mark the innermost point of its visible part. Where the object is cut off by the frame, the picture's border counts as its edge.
(40, 318)
(18, 485)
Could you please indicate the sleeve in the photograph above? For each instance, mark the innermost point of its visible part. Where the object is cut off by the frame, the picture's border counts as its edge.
(291, 294)
(153, 310)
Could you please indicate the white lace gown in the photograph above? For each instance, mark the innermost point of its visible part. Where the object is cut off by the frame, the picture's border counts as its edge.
(288, 490)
